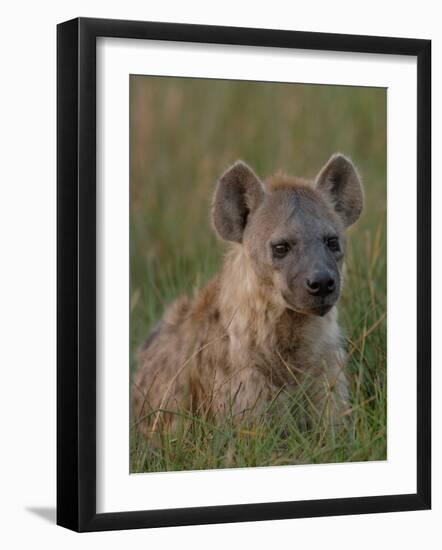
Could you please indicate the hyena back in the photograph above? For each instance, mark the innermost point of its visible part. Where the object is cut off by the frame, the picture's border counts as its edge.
(268, 318)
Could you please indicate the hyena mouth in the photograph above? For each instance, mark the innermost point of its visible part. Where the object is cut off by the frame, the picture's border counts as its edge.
(322, 309)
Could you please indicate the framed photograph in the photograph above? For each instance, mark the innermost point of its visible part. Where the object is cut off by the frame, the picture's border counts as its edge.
(243, 274)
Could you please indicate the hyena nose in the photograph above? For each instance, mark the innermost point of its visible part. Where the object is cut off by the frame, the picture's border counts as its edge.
(321, 284)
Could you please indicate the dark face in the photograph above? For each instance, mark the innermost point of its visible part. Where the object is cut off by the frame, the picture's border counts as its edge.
(293, 232)
(296, 242)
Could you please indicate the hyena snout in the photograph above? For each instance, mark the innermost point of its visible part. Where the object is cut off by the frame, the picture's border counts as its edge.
(314, 292)
(321, 284)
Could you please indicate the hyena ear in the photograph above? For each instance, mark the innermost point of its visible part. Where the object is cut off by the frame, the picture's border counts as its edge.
(340, 181)
(237, 194)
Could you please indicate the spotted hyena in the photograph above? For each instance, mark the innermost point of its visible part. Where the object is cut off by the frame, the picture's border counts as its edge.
(268, 319)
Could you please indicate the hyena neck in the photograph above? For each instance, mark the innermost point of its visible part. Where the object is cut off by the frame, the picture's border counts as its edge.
(251, 312)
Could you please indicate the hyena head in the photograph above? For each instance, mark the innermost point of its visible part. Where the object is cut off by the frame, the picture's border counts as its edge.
(292, 231)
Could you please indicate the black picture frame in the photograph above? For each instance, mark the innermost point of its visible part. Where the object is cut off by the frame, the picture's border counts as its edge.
(76, 273)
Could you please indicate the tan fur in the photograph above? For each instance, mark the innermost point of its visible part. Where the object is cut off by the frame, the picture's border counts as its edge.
(235, 345)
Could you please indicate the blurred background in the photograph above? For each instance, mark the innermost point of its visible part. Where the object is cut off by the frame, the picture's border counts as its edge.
(184, 134)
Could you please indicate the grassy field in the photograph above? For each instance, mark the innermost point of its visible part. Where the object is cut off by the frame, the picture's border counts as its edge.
(184, 133)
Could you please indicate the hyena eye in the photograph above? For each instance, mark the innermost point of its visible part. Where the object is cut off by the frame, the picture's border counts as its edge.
(280, 250)
(333, 243)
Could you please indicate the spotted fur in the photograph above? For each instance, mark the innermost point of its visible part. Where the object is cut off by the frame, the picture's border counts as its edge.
(253, 331)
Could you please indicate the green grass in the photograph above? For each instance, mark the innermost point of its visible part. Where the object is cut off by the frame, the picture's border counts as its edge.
(184, 133)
